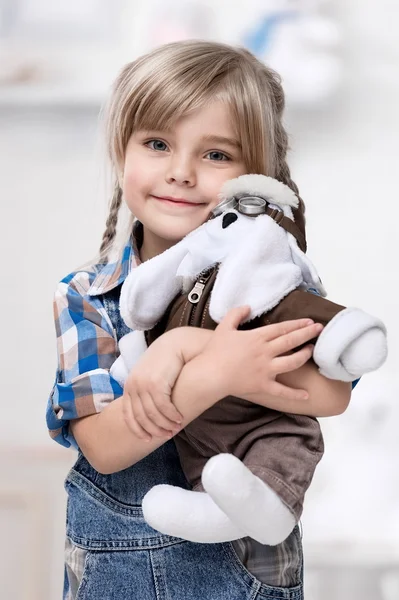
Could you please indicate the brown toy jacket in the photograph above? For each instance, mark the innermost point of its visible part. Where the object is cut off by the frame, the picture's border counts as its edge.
(282, 449)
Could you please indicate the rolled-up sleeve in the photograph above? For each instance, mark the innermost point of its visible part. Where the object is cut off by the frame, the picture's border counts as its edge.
(87, 347)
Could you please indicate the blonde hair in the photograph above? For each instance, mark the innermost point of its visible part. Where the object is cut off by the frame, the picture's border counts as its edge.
(158, 88)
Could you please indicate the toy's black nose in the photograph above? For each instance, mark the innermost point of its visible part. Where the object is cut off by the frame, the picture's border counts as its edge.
(228, 219)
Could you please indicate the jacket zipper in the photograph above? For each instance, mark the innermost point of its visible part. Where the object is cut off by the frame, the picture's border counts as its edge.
(195, 295)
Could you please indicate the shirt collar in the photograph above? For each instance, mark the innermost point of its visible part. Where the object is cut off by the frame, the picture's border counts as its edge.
(112, 274)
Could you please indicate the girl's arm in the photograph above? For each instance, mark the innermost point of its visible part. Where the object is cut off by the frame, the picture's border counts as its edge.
(233, 362)
(110, 446)
(327, 397)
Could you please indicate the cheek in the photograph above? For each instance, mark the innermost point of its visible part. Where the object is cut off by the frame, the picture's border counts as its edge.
(136, 181)
(132, 190)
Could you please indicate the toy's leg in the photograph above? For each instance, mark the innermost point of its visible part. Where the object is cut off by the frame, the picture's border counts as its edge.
(249, 502)
(188, 515)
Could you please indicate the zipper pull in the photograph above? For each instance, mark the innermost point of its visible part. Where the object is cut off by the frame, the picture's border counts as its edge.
(196, 293)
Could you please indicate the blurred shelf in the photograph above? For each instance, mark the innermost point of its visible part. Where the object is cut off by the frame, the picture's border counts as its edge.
(28, 96)
(373, 554)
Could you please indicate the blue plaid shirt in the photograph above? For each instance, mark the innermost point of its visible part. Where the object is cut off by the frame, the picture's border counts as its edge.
(87, 345)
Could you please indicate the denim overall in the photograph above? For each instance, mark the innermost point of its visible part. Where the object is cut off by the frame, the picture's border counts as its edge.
(124, 558)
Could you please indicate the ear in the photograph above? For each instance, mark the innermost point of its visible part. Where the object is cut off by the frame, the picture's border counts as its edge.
(150, 287)
(310, 276)
(258, 272)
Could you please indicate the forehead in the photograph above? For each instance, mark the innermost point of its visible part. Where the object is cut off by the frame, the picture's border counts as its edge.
(212, 122)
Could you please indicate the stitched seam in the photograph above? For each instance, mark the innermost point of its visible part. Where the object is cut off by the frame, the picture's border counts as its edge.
(205, 312)
(154, 577)
(83, 581)
(196, 445)
(182, 315)
(269, 474)
(122, 545)
(239, 567)
(300, 551)
(255, 590)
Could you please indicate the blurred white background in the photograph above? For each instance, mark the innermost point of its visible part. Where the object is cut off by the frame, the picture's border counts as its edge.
(339, 62)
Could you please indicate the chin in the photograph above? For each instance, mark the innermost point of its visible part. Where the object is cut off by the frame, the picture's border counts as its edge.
(176, 232)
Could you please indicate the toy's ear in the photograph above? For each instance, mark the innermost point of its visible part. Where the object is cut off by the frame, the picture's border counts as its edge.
(206, 246)
(150, 287)
(310, 276)
(259, 272)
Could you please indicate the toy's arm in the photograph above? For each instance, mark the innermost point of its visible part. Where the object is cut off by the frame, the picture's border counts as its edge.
(352, 342)
(300, 304)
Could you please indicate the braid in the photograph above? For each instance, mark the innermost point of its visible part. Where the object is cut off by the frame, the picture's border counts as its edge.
(284, 175)
(112, 220)
(282, 170)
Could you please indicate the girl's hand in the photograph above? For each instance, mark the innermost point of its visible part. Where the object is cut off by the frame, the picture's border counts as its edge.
(147, 406)
(247, 363)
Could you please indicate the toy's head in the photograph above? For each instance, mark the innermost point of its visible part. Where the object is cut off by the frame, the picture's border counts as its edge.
(249, 237)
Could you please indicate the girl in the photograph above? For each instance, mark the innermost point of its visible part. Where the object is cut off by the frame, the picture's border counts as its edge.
(181, 121)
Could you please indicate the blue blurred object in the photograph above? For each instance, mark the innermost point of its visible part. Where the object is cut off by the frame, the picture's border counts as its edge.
(258, 41)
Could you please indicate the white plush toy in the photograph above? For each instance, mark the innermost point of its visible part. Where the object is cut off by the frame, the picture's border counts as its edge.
(259, 264)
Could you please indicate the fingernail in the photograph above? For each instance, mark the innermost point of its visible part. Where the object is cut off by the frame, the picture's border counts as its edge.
(309, 321)
(305, 396)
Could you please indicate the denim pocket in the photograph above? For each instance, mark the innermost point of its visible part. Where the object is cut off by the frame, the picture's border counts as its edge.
(95, 521)
(117, 576)
(264, 591)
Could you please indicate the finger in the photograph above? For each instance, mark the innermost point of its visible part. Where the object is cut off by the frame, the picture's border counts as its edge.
(235, 317)
(296, 338)
(131, 422)
(285, 364)
(286, 393)
(146, 424)
(276, 330)
(165, 406)
(156, 416)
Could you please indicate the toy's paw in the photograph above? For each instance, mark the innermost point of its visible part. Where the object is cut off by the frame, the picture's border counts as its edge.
(132, 346)
(192, 516)
(351, 344)
(119, 371)
(365, 354)
(249, 502)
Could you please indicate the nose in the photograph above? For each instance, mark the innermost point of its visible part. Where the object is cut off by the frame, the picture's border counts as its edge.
(228, 219)
(181, 171)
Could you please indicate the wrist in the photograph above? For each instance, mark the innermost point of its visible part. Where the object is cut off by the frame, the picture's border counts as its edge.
(189, 341)
(212, 376)
(198, 387)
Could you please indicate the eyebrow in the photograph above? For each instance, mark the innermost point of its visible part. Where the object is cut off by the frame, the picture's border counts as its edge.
(220, 139)
(213, 139)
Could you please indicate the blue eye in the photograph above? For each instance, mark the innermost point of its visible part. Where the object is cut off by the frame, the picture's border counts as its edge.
(218, 156)
(156, 145)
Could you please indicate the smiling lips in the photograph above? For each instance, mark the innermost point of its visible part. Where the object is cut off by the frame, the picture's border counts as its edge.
(177, 201)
